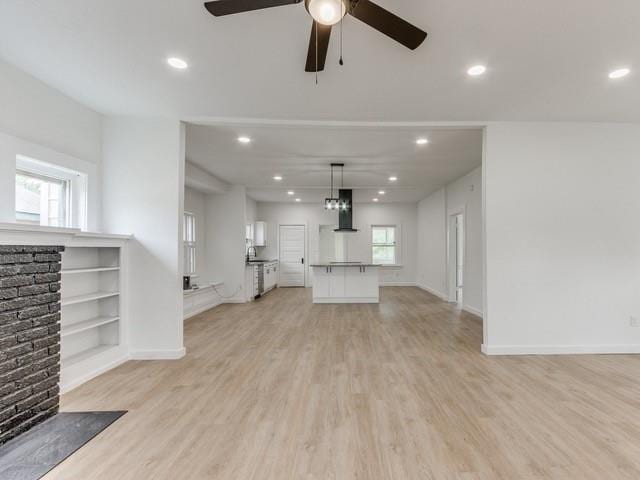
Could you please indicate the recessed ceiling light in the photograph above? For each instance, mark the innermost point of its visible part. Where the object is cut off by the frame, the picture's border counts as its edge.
(277, 178)
(422, 141)
(291, 192)
(244, 139)
(298, 200)
(178, 63)
(393, 179)
(477, 70)
(374, 199)
(381, 192)
(619, 73)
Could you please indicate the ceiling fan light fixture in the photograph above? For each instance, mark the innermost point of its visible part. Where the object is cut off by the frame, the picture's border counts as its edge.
(326, 12)
(476, 70)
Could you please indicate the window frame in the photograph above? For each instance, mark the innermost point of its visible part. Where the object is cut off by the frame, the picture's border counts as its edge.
(189, 230)
(64, 209)
(60, 168)
(397, 242)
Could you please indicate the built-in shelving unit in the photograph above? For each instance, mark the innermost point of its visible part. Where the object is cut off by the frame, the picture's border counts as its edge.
(93, 320)
(83, 325)
(85, 355)
(88, 297)
(94, 323)
(73, 271)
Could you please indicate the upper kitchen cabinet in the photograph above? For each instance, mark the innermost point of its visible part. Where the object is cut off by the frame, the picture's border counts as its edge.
(260, 234)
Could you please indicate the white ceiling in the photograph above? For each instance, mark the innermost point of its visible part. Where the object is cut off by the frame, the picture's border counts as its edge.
(302, 155)
(547, 59)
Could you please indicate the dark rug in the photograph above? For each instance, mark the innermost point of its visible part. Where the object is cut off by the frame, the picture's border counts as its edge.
(33, 454)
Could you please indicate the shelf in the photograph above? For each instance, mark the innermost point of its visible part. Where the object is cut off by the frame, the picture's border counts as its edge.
(78, 327)
(88, 298)
(72, 271)
(86, 354)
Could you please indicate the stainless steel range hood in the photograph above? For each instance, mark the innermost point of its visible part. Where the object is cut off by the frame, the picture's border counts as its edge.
(345, 216)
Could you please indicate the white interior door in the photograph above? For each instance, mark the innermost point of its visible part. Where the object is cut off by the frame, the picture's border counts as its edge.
(292, 260)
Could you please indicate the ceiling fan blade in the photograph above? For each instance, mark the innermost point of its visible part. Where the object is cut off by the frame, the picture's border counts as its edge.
(324, 33)
(228, 7)
(386, 22)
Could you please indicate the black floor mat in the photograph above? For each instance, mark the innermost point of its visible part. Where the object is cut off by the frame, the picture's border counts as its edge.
(33, 454)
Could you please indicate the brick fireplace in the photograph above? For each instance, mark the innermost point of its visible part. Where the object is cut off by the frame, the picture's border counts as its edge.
(29, 337)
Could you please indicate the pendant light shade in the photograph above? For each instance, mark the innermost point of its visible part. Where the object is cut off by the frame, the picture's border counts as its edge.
(331, 202)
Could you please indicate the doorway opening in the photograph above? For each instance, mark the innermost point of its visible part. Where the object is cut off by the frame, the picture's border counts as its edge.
(456, 258)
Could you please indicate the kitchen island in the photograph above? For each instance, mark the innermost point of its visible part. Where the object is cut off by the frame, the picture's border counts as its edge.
(345, 283)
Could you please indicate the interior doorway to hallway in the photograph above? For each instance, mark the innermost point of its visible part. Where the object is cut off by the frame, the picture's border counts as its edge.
(456, 257)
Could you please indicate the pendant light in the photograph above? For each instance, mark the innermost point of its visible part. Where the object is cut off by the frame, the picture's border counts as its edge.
(331, 202)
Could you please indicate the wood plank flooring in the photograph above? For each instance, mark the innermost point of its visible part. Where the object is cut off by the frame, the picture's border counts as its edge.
(282, 389)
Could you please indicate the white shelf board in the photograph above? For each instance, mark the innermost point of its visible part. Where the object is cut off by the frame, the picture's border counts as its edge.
(78, 327)
(86, 354)
(87, 298)
(72, 271)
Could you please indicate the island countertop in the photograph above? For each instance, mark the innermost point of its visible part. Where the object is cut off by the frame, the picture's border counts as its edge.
(346, 264)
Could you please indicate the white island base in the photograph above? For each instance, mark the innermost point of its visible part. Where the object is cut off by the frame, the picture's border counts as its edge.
(346, 283)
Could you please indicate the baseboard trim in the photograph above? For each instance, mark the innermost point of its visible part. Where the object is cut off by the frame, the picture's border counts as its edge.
(472, 311)
(397, 284)
(560, 349)
(158, 354)
(67, 387)
(432, 291)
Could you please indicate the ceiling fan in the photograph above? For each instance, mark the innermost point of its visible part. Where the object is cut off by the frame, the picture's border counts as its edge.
(325, 14)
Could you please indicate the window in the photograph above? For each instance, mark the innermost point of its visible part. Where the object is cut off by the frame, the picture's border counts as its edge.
(383, 245)
(42, 200)
(50, 195)
(189, 238)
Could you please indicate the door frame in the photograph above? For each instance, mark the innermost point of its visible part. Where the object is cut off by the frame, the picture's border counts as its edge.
(305, 246)
(451, 253)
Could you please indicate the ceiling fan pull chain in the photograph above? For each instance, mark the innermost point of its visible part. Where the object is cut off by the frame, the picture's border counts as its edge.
(340, 61)
(315, 26)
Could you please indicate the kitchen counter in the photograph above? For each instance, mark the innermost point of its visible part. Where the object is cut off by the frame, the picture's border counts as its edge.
(346, 264)
(348, 283)
(259, 262)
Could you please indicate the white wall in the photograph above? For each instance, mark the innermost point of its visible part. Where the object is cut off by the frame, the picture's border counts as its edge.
(359, 244)
(226, 216)
(201, 180)
(195, 202)
(434, 212)
(42, 123)
(251, 211)
(562, 209)
(432, 241)
(143, 186)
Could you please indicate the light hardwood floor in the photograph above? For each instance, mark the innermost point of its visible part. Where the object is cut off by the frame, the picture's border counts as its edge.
(282, 389)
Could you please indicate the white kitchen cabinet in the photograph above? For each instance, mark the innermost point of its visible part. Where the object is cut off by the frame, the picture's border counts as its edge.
(270, 275)
(260, 234)
(345, 283)
(365, 281)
